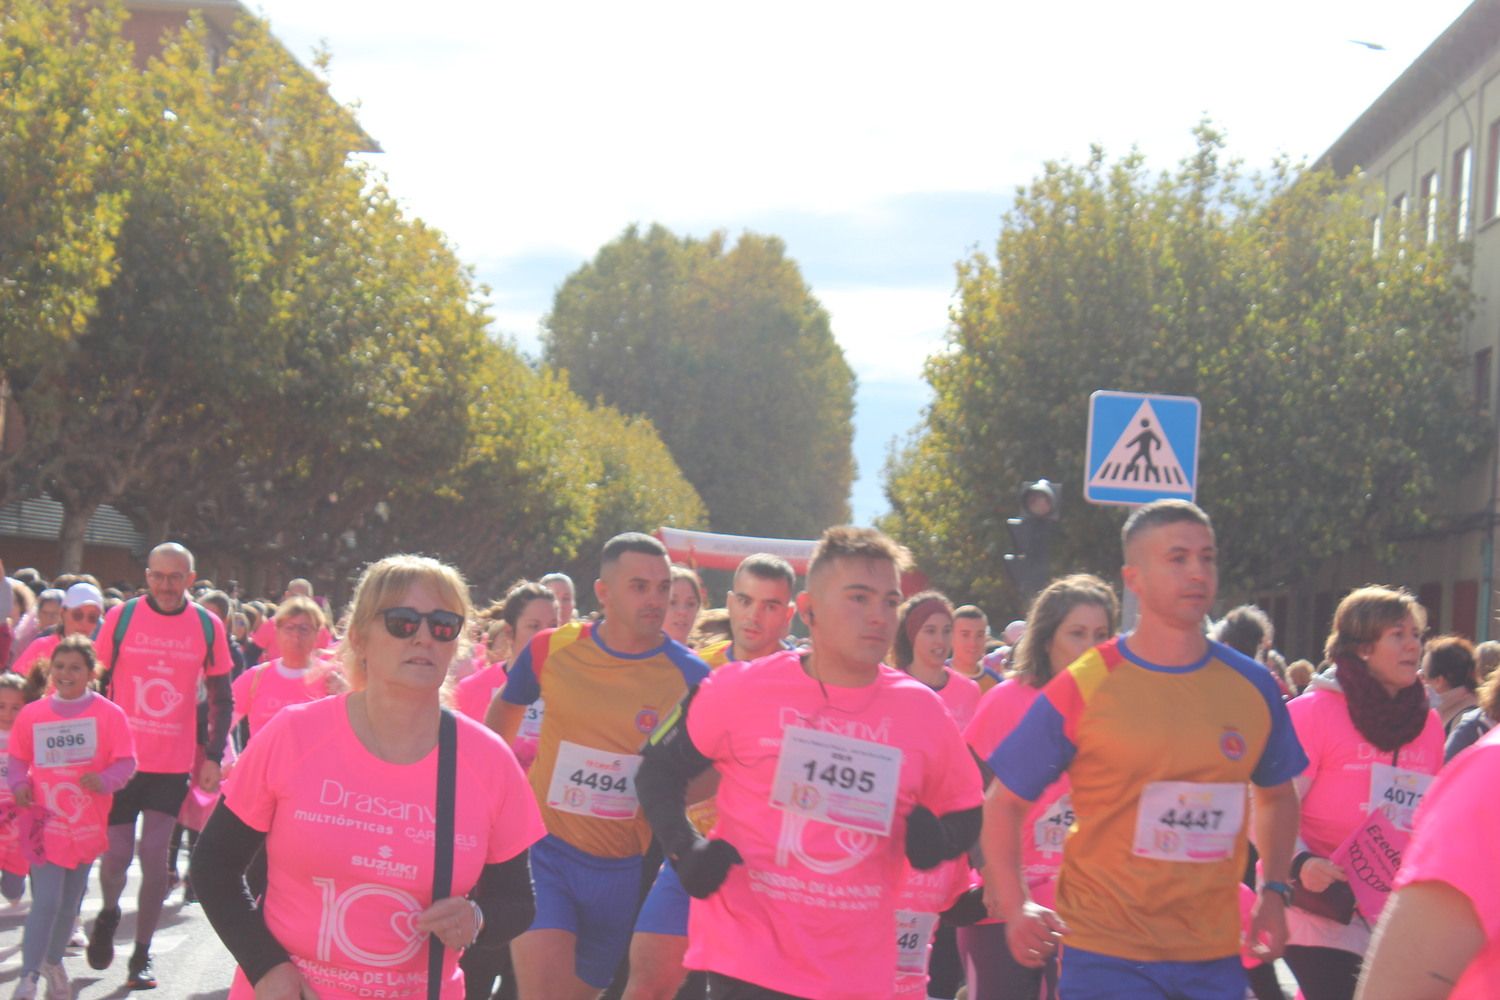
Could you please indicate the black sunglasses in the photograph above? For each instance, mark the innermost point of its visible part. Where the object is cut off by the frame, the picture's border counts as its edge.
(444, 626)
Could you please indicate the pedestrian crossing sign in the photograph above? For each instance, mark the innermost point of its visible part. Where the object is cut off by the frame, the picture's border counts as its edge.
(1141, 447)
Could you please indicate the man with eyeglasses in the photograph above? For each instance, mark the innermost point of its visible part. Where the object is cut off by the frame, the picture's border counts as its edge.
(607, 685)
(155, 649)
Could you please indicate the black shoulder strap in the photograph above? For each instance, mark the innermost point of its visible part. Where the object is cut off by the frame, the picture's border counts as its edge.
(442, 869)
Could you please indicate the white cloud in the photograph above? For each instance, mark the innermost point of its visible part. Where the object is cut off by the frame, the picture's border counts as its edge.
(887, 333)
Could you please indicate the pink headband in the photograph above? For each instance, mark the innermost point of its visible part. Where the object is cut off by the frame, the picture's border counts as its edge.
(917, 616)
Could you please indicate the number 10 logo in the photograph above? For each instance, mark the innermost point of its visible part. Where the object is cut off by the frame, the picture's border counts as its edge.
(333, 928)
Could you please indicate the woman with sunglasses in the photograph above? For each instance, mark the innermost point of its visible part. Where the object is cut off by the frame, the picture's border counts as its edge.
(82, 608)
(342, 792)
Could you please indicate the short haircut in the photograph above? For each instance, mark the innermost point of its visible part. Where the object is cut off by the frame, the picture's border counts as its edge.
(1364, 615)
(306, 585)
(970, 611)
(849, 542)
(630, 541)
(1243, 629)
(175, 549)
(558, 578)
(297, 605)
(218, 602)
(1451, 657)
(765, 566)
(1486, 658)
(1158, 514)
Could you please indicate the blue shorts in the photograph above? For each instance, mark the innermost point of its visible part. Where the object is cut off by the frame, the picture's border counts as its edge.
(1087, 975)
(592, 898)
(666, 908)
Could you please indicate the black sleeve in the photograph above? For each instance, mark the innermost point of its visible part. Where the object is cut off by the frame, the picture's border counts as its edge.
(217, 870)
(968, 909)
(220, 710)
(669, 762)
(504, 895)
(932, 839)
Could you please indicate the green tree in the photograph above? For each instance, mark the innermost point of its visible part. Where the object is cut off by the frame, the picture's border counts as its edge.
(731, 358)
(1326, 372)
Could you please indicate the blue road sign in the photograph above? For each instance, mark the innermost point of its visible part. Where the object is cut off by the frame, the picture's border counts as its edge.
(1141, 447)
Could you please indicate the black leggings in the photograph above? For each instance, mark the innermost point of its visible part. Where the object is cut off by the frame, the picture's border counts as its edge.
(1324, 973)
(993, 974)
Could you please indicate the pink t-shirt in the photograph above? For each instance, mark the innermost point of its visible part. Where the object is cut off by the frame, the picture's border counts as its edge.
(1051, 817)
(923, 896)
(59, 751)
(961, 696)
(770, 922)
(264, 690)
(476, 691)
(11, 858)
(156, 680)
(350, 845)
(270, 647)
(1345, 773)
(1457, 825)
(39, 648)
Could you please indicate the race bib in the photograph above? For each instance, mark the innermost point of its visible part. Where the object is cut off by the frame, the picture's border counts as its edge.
(913, 936)
(1397, 792)
(1189, 821)
(837, 779)
(66, 743)
(592, 782)
(1051, 828)
(531, 723)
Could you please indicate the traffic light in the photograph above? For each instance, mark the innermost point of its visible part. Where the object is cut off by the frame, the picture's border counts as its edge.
(1029, 565)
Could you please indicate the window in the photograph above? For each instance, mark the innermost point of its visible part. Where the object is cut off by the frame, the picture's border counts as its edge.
(1430, 596)
(1463, 168)
(1375, 227)
(1492, 179)
(1428, 206)
(1465, 608)
(1483, 362)
(1399, 205)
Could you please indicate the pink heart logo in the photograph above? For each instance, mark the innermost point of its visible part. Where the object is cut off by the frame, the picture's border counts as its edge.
(171, 699)
(68, 801)
(855, 843)
(404, 923)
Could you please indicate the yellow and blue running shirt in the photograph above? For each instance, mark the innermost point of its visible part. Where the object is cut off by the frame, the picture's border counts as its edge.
(1158, 758)
(601, 707)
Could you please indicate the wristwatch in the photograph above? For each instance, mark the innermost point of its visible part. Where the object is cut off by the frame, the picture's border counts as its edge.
(1279, 888)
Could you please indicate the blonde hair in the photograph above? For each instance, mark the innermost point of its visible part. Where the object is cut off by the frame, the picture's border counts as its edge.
(299, 605)
(381, 585)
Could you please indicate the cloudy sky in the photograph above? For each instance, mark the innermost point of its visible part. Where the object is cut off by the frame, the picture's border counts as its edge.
(882, 142)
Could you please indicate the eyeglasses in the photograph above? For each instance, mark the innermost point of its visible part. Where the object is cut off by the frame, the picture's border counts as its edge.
(175, 579)
(89, 613)
(303, 630)
(443, 626)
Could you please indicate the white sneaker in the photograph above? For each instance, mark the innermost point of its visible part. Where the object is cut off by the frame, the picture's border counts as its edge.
(26, 988)
(56, 978)
(79, 939)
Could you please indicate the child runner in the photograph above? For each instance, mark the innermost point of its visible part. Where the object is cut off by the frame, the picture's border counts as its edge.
(69, 753)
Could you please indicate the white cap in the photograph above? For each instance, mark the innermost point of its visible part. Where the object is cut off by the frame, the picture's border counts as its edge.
(83, 593)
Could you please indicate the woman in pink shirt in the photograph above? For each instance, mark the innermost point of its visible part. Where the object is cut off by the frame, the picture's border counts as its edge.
(1439, 937)
(294, 677)
(1372, 743)
(924, 639)
(343, 795)
(526, 609)
(1067, 619)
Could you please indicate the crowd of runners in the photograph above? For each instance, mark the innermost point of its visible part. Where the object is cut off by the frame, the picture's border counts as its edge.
(417, 798)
